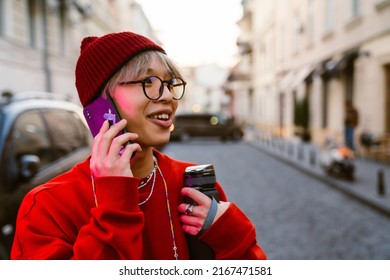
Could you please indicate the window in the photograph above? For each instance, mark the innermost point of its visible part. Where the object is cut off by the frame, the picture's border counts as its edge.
(2, 15)
(310, 22)
(30, 137)
(32, 12)
(62, 25)
(355, 8)
(282, 43)
(381, 4)
(329, 15)
(50, 138)
(66, 132)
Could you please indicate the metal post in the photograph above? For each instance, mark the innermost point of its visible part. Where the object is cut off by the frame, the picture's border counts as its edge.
(46, 62)
(300, 152)
(290, 149)
(381, 183)
(313, 157)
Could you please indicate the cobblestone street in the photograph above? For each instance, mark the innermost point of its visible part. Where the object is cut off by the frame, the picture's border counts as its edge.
(296, 216)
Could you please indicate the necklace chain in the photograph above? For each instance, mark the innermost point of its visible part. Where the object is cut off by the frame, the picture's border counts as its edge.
(151, 190)
(147, 179)
(175, 254)
(153, 174)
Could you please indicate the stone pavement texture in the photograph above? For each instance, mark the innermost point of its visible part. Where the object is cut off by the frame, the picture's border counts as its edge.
(370, 186)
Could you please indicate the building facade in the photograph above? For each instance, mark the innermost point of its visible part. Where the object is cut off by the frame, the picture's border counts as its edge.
(204, 90)
(40, 39)
(301, 60)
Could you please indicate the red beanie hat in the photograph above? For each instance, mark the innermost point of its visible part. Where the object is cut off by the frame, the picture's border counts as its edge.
(101, 57)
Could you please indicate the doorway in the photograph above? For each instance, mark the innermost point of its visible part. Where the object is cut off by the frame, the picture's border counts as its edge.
(387, 98)
(281, 113)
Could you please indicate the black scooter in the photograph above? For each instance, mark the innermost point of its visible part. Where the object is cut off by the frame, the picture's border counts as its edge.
(337, 160)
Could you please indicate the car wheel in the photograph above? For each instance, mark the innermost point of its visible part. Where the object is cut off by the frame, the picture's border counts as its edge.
(3, 253)
(236, 135)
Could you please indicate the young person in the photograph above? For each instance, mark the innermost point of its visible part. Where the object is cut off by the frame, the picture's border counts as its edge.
(351, 120)
(127, 203)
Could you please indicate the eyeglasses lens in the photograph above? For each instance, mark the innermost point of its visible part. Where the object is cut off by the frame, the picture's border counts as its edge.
(154, 87)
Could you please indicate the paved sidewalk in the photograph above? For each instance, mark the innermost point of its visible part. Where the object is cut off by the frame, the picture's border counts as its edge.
(306, 158)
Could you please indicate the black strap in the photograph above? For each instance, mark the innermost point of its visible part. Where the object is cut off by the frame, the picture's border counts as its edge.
(210, 216)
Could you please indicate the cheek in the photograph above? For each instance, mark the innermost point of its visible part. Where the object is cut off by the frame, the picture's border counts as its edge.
(175, 105)
(129, 111)
(128, 107)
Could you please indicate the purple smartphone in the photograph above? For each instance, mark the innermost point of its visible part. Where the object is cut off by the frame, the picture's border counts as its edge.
(98, 111)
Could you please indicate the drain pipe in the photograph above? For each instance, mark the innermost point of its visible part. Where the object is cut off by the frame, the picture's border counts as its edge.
(46, 64)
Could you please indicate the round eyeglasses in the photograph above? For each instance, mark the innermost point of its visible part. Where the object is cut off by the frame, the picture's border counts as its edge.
(153, 87)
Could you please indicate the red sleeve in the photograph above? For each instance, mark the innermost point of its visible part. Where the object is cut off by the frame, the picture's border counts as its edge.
(114, 230)
(233, 236)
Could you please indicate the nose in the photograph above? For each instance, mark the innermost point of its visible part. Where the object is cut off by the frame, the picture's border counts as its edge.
(166, 93)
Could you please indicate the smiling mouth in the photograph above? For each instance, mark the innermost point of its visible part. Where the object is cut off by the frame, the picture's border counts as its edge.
(160, 117)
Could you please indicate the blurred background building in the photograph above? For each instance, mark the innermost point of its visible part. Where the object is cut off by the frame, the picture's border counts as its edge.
(205, 89)
(302, 59)
(40, 39)
(299, 60)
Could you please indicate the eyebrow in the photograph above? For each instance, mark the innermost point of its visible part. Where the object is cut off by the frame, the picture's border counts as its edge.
(150, 71)
(166, 73)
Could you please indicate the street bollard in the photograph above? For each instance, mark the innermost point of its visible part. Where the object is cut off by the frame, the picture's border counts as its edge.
(381, 183)
(300, 152)
(290, 149)
(282, 145)
(313, 157)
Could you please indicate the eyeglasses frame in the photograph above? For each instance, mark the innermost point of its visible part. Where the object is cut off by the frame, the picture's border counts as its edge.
(161, 90)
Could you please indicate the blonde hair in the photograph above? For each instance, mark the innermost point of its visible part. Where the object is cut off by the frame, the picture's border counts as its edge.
(137, 67)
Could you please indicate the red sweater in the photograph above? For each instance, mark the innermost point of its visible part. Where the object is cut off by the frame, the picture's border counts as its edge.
(59, 220)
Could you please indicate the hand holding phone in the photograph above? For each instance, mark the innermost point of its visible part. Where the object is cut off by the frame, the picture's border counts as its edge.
(105, 151)
(103, 109)
(100, 110)
(111, 154)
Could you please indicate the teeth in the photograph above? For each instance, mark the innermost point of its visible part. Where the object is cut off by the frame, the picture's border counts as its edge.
(161, 117)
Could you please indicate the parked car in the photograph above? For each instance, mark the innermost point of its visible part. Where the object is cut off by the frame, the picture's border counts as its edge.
(205, 125)
(39, 139)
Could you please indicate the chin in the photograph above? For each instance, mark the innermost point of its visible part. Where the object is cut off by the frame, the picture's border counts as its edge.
(161, 141)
